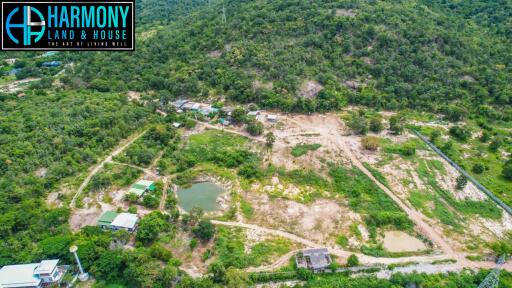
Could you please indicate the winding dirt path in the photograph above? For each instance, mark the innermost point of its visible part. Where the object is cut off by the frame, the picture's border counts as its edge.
(329, 134)
(333, 250)
(99, 166)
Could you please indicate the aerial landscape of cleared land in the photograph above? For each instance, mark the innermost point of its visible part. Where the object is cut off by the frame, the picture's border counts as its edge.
(289, 144)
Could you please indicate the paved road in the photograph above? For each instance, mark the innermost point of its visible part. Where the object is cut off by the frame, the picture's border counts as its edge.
(99, 166)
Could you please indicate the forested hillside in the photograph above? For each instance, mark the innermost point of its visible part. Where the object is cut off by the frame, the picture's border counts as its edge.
(439, 56)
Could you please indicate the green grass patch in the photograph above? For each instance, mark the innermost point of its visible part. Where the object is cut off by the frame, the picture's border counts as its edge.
(367, 198)
(487, 209)
(230, 249)
(302, 149)
(377, 174)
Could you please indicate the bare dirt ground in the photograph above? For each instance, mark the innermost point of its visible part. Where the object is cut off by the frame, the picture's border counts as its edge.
(310, 89)
(17, 85)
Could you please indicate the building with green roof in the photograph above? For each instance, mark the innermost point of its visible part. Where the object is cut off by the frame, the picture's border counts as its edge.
(141, 187)
(106, 219)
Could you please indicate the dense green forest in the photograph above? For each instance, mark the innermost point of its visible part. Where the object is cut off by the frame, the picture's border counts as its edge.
(430, 55)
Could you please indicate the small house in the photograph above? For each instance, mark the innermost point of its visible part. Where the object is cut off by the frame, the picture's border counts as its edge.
(176, 125)
(33, 275)
(317, 259)
(141, 187)
(272, 118)
(51, 64)
(114, 221)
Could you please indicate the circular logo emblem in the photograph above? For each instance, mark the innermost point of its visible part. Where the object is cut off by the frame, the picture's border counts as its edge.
(27, 30)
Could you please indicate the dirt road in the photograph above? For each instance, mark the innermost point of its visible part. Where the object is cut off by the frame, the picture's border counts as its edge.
(99, 166)
(364, 259)
(332, 134)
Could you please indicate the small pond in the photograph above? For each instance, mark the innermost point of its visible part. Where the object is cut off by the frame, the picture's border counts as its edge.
(203, 195)
(398, 241)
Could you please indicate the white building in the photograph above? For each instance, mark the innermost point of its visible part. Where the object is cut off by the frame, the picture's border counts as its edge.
(34, 275)
(125, 221)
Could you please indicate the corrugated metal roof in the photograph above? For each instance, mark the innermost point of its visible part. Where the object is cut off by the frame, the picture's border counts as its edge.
(126, 220)
(107, 218)
(12, 276)
(137, 191)
(46, 266)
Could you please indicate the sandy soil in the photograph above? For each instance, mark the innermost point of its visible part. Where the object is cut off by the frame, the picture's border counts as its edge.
(346, 12)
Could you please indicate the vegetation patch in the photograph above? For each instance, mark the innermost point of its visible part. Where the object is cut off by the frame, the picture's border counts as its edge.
(303, 149)
(368, 199)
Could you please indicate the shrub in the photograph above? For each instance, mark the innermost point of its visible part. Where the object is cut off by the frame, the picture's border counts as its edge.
(376, 124)
(396, 124)
(370, 143)
(352, 260)
(255, 128)
(478, 168)
(461, 133)
(204, 230)
(507, 170)
(461, 182)
(358, 124)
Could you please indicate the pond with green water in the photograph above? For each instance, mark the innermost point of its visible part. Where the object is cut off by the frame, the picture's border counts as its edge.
(203, 195)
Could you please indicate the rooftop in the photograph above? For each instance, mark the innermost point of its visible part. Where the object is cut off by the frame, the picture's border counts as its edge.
(25, 275)
(125, 220)
(46, 266)
(145, 183)
(107, 218)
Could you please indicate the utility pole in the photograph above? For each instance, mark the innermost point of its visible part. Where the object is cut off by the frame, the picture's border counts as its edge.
(83, 276)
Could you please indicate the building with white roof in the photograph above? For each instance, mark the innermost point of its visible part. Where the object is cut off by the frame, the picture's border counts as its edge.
(125, 221)
(33, 275)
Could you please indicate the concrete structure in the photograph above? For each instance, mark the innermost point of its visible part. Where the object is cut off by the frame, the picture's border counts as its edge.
(317, 259)
(114, 221)
(32, 275)
(141, 187)
(253, 113)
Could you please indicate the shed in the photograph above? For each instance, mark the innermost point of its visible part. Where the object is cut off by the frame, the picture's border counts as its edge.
(106, 219)
(176, 125)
